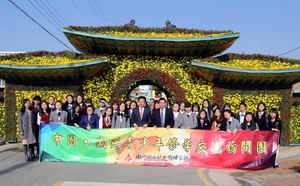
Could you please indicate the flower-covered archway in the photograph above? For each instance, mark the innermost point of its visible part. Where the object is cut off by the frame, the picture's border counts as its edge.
(150, 76)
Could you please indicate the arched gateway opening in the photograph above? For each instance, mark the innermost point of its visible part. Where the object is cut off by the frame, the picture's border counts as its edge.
(147, 76)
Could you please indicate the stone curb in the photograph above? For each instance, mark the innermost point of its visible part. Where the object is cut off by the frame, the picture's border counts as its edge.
(247, 182)
(2, 142)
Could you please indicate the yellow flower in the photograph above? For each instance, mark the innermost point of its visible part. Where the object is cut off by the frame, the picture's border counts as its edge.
(254, 64)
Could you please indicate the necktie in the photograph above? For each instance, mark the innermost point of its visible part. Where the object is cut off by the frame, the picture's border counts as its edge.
(202, 123)
(141, 113)
(58, 116)
(162, 123)
(188, 115)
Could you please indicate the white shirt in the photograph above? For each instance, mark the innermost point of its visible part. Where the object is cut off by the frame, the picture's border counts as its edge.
(242, 117)
(175, 114)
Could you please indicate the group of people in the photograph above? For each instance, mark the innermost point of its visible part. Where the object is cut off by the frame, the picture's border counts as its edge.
(79, 112)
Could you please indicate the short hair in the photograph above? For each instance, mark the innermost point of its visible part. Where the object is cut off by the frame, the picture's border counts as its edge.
(162, 99)
(59, 102)
(90, 106)
(262, 103)
(142, 97)
(227, 110)
(115, 103)
(187, 104)
(38, 98)
(243, 103)
(102, 99)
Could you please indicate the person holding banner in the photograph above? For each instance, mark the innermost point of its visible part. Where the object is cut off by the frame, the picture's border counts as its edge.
(58, 116)
(233, 125)
(276, 126)
(121, 118)
(141, 116)
(218, 122)
(249, 123)
(203, 122)
(75, 116)
(105, 121)
(162, 117)
(27, 129)
(90, 120)
(188, 119)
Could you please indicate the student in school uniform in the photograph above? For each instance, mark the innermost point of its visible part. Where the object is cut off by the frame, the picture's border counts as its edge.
(75, 116)
(105, 121)
(58, 116)
(249, 123)
(195, 108)
(162, 117)
(176, 112)
(203, 122)
(133, 105)
(101, 110)
(261, 117)
(187, 120)
(232, 124)
(241, 114)
(51, 103)
(115, 107)
(67, 106)
(182, 107)
(274, 124)
(206, 107)
(121, 119)
(217, 121)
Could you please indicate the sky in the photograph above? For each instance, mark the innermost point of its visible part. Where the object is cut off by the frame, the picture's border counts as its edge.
(267, 27)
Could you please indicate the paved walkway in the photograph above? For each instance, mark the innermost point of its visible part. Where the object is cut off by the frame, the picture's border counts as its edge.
(287, 174)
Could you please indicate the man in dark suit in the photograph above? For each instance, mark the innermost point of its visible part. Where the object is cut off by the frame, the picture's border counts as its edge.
(141, 115)
(162, 117)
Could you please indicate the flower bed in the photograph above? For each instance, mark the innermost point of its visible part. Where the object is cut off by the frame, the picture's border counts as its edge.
(44, 58)
(149, 32)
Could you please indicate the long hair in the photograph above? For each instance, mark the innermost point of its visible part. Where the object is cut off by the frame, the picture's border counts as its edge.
(41, 112)
(125, 111)
(74, 108)
(23, 108)
(262, 103)
(202, 110)
(273, 110)
(208, 107)
(104, 115)
(252, 122)
(214, 118)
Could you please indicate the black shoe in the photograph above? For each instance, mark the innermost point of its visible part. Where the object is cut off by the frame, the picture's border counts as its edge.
(27, 158)
(276, 166)
(33, 155)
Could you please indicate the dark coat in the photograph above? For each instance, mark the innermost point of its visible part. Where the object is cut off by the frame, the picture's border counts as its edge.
(169, 118)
